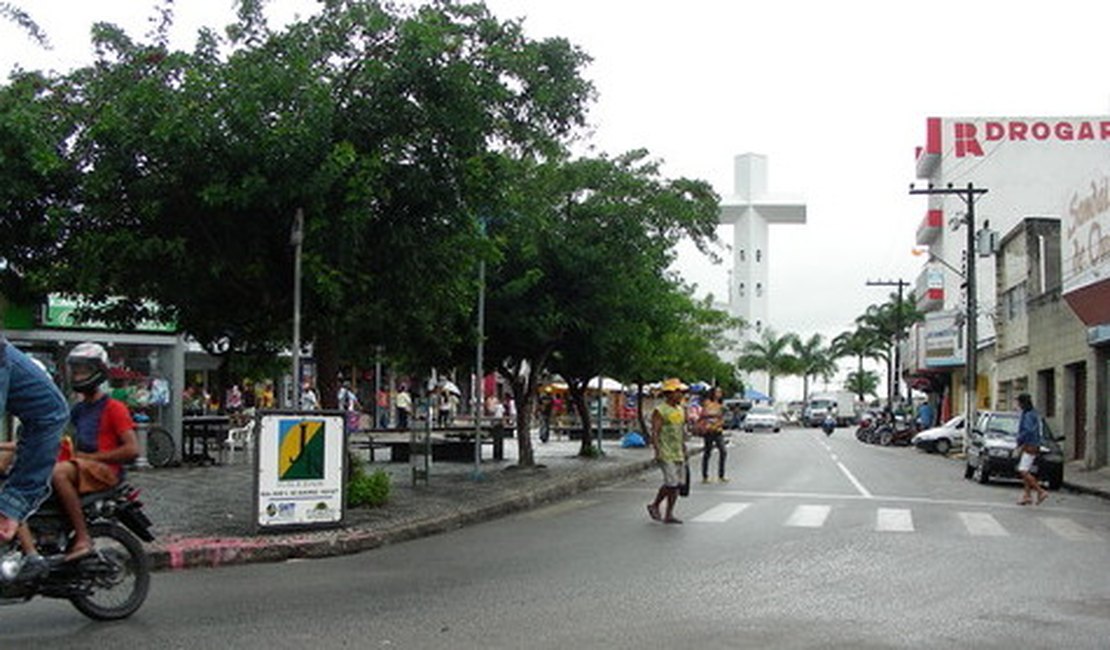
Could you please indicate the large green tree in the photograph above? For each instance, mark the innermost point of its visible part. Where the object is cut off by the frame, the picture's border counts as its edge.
(370, 118)
(583, 247)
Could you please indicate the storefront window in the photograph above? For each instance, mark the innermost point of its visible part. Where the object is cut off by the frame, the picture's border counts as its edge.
(138, 376)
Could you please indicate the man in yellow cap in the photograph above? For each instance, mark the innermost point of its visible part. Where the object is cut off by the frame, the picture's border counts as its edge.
(668, 439)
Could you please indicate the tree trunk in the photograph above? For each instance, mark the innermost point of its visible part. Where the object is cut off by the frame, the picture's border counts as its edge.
(640, 410)
(522, 378)
(577, 392)
(327, 371)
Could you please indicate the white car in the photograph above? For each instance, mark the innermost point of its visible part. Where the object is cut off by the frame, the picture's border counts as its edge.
(762, 417)
(942, 439)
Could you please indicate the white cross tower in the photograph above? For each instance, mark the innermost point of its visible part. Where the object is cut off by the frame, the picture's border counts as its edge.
(750, 210)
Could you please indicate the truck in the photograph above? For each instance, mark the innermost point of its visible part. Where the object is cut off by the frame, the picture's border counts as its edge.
(841, 402)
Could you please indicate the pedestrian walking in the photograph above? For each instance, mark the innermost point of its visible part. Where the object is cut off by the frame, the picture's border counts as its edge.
(309, 400)
(1029, 446)
(28, 393)
(711, 426)
(383, 408)
(402, 401)
(346, 398)
(668, 440)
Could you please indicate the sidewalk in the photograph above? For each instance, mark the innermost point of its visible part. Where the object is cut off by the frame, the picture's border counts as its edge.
(203, 516)
(1087, 481)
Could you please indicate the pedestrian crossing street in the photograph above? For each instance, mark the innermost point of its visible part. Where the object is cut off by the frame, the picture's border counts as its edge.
(973, 523)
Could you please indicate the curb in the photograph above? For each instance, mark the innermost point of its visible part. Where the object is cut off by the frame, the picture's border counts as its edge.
(1085, 489)
(197, 552)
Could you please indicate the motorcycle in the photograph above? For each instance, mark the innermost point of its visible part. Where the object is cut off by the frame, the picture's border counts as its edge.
(828, 425)
(896, 433)
(110, 583)
(866, 428)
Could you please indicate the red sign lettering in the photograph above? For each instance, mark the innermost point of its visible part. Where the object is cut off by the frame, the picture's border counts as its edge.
(967, 139)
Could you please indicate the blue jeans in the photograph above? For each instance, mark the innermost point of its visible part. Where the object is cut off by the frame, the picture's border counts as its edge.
(29, 394)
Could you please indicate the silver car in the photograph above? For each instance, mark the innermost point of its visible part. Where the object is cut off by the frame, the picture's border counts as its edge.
(762, 417)
(942, 439)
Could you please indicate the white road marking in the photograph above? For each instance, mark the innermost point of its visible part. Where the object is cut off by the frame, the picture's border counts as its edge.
(859, 486)
(809, 516)
(982, 524)
(720, 512)
(888, 498)
(1070, 530)
(894, 520)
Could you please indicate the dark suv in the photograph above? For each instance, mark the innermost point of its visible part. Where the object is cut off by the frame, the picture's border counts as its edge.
(991, 444)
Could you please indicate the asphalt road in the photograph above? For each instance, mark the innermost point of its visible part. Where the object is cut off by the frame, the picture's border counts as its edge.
(816, 543)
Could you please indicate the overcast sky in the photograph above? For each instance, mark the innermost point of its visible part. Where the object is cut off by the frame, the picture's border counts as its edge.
(834, 93)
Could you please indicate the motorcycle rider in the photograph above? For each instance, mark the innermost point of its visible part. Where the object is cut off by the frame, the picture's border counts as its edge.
(104, 440)
(27, 392)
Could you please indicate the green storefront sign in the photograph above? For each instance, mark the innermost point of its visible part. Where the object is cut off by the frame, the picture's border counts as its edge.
(59, 313)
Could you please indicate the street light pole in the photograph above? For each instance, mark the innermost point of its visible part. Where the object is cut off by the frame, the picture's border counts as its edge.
(480, 397)
(296, 238)
(968, 196)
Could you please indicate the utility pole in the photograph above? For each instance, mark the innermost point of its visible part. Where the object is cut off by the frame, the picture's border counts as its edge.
(968, 196)
(895, 383)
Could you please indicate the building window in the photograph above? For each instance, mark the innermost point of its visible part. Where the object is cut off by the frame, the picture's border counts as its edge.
(740, 291)
(758, 255)
(759, 289)
(742, 255)
(1046, 392)
(1013, 302)
(759, 326)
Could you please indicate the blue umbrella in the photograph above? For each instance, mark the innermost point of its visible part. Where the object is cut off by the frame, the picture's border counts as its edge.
(755, 395)
(698, 387)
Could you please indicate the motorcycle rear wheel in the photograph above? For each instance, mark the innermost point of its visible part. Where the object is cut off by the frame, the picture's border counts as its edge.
(119, 573)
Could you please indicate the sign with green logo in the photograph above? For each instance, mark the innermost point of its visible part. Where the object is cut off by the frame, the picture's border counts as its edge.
(60, 310)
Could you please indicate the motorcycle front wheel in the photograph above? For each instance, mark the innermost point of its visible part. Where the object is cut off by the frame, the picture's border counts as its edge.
(115, 579)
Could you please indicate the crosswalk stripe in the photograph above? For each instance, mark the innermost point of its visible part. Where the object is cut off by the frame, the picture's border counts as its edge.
(721, 512)
(1070, 530)
(982, 524)
(809, 516)
(894, 520)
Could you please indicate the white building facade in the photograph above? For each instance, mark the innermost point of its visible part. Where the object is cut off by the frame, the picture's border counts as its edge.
(751, 210)
(1038, 171)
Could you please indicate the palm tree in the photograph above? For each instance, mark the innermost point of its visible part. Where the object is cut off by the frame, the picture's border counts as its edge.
(862, 383)
(860, 343)
(888, 323)
(771, 355)
(813, 360)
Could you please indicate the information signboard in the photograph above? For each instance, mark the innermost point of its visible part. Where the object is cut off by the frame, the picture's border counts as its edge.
(300, 466)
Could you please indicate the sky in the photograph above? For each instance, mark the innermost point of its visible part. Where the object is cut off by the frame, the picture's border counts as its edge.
(835, 94)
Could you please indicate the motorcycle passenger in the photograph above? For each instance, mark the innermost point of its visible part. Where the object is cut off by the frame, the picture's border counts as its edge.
(27, 392)
(104, 440)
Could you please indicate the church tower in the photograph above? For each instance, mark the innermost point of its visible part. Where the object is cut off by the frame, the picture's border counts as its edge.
(750, 210)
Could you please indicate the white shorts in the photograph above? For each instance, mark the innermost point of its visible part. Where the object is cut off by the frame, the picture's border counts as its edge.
(674, 473)
(1026, 462)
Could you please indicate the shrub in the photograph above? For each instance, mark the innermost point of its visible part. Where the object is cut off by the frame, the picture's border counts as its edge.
(367, 489)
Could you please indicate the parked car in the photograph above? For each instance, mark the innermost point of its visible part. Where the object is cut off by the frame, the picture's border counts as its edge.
(762, 417)
(942, 439)
(991, 444)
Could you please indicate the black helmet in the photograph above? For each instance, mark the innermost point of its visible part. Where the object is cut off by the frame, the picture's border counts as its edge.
(92, 360)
